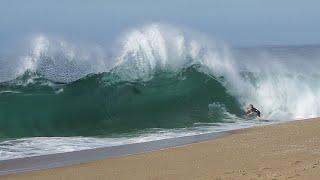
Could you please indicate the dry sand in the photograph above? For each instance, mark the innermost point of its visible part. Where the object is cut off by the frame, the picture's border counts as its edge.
(282, 151)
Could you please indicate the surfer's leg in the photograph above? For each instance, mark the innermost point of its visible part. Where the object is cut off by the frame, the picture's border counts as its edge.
(259, 115)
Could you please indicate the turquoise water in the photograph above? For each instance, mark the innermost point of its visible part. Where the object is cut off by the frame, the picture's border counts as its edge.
(99, 105)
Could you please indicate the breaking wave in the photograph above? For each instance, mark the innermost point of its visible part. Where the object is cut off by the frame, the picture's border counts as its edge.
(160, 77)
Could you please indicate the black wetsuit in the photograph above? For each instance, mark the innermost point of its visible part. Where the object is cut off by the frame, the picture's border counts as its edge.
(256, 111)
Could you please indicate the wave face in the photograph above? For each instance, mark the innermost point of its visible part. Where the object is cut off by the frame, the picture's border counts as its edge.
(159, 77)
(97, 106)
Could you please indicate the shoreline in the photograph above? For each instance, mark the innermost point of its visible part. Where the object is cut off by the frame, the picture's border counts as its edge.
(26, 164)
(277, 151)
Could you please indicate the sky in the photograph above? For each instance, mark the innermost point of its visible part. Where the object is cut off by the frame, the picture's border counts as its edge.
(237, 22)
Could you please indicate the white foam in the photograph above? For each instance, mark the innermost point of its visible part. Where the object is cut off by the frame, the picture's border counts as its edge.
(26, 147)
(58, 60)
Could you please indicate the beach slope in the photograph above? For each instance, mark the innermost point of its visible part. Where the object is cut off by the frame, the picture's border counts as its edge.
(281, 151)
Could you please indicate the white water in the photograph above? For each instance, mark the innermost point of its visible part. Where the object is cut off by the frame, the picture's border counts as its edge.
(58, 60)
(35, 146)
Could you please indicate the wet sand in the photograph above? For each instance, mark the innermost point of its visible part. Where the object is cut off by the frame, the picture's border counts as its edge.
(281, 151)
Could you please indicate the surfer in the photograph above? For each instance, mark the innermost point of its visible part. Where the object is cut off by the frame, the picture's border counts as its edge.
(252, 109)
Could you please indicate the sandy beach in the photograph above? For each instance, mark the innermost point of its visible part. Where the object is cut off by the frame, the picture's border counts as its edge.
(280, 151)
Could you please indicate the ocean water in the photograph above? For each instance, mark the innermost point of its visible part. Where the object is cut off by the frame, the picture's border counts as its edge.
(157, 82)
